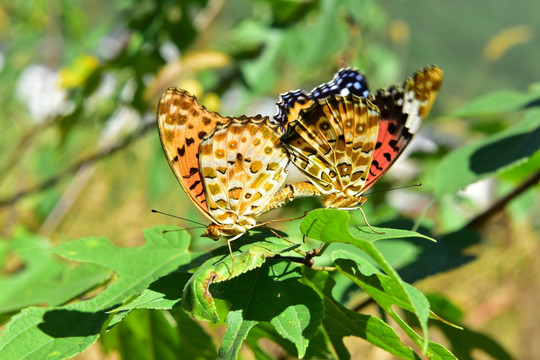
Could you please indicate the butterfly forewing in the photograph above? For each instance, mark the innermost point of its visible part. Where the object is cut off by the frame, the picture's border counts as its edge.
(403, 109)
(243, 166)
(332, 142)
(183, 122)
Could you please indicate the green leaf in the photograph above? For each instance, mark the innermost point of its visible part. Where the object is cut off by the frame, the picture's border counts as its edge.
(385, 290)
(164, 293)
(446, 309)
(136, 267)
(40, 333)
(260, 73)
(237, 331)
(331, 226)
(267, 332)
(159, 335)
(272, 293)
(496, 103)
(340, 322)
(197, 298)
(326, 27)
(62, 332)
(44, 280)
(474, 162)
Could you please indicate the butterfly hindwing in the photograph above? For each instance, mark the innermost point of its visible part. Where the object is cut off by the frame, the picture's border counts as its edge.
(243, 166)
(403, 109)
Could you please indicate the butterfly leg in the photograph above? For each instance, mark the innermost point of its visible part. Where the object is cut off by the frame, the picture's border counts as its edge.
(367, 223)
(364, 216)
(277, 235)
(230, 250)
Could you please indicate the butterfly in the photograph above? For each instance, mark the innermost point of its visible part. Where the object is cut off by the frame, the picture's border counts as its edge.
(346, 138)
(230, 167)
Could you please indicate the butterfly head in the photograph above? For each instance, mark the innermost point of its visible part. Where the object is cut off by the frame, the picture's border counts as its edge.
(213, 231)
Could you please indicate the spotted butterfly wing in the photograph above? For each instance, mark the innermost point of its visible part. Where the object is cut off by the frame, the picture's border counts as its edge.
(403, 107)
(332, 142)
(346, 81)
(183, 123)
(243, 166)
(230, 167)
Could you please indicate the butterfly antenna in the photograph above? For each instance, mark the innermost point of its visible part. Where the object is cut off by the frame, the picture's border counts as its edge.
(178, 217)
(184, 229)
(395, 188)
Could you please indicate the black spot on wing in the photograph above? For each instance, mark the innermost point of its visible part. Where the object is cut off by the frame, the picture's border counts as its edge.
(194, 185)
(393, 145)
(181, 151)
(192, 171)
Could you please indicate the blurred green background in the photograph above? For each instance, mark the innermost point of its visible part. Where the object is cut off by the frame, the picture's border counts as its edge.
(80, 154)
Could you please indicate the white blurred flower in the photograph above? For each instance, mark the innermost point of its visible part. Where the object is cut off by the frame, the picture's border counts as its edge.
(128, 91)
(481, 193)
(112, 44)
(104, 91)
(169, 51)
(37, 88)
(122, 122)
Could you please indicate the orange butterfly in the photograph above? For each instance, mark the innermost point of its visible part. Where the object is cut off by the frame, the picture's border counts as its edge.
(230, 167)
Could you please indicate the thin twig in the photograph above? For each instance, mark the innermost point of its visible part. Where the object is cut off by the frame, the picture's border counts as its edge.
(53, 180)
(22, 146)
(306, 260)
(478, 221)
